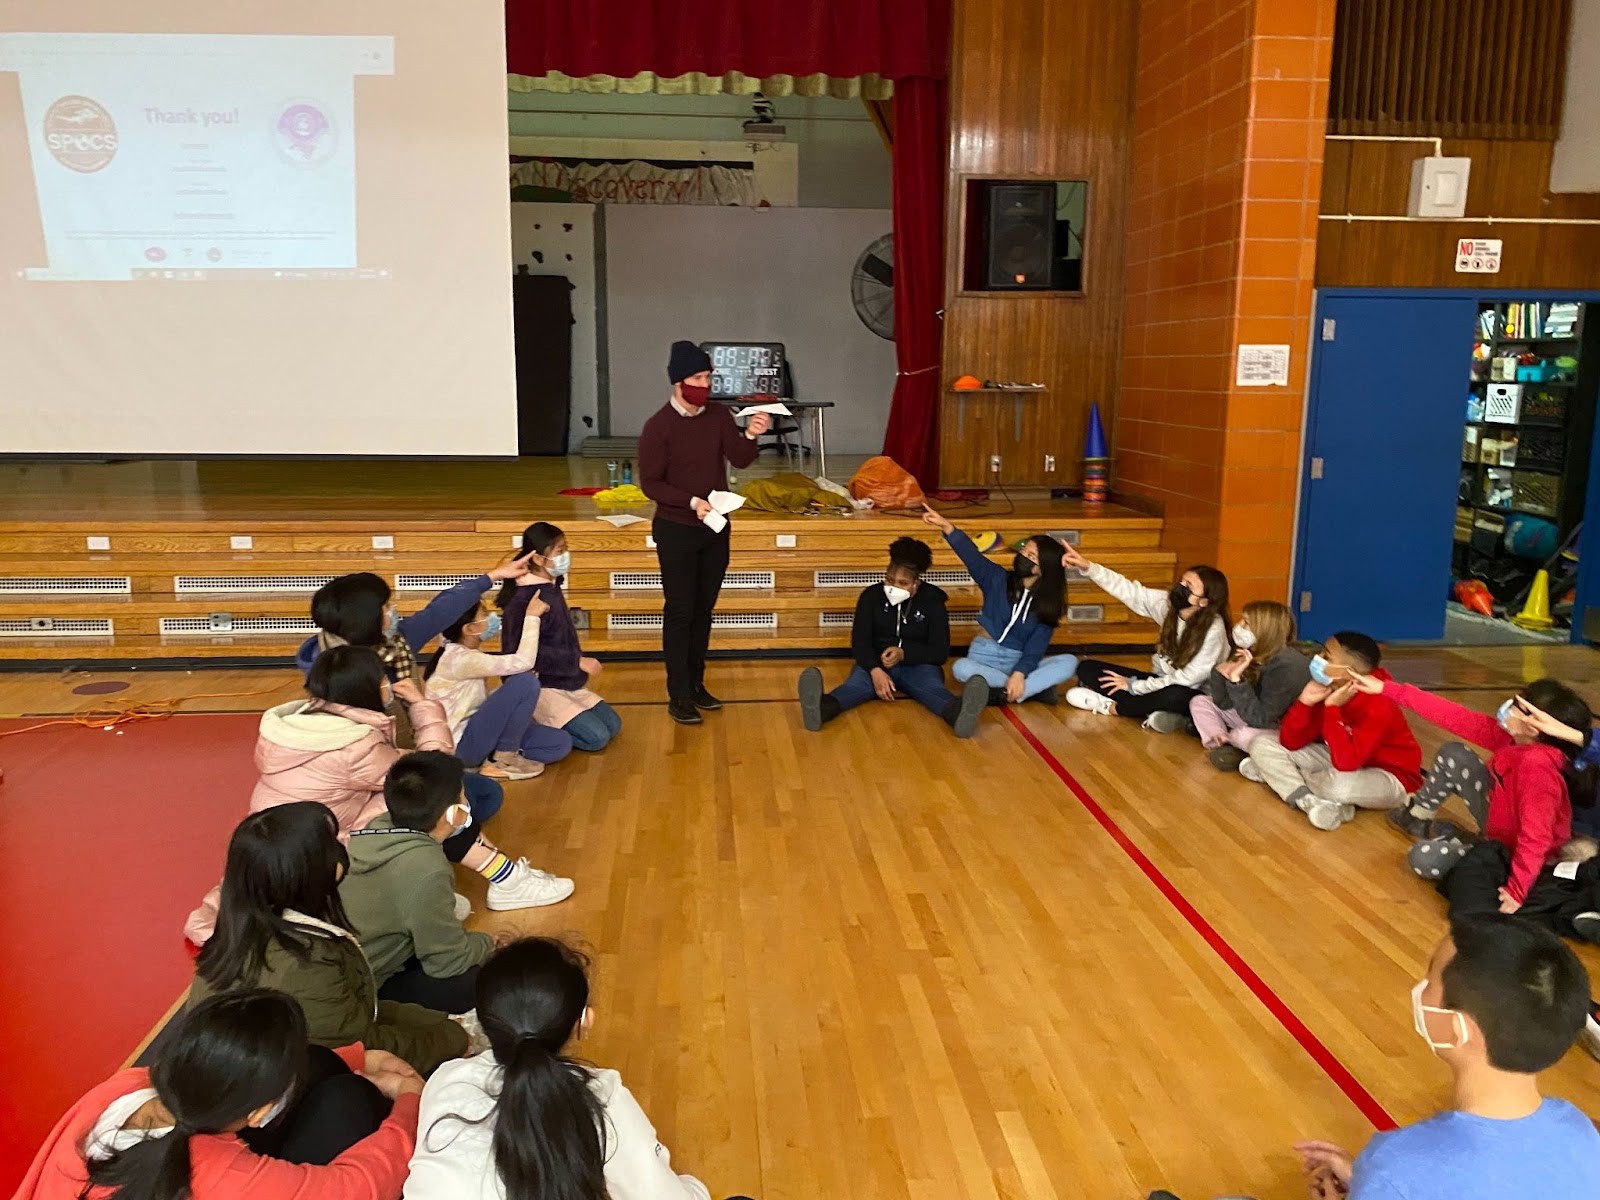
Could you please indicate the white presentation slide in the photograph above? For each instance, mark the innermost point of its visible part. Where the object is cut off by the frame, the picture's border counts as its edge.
(230, 228)
(170, 156)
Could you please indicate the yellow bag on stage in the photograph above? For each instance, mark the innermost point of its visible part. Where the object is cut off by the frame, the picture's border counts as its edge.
(790, 492)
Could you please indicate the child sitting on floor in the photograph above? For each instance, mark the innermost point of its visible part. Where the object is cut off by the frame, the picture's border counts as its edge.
(1565, 898)
(1194, 620)
(1520, 797)
(900, 638)
(1021, 609)
(1248, 695)
(400, 892)
(1339, 748)
(1584, 820)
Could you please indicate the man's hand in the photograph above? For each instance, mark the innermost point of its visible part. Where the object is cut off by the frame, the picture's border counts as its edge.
(759, 424)
(1114, 683)
(1016, 684)
(701, 507)
(882, 684)
(892, 656)
(1341, 693)
(510, 570)
(929, 517)
(1314, 692)
(589, 666)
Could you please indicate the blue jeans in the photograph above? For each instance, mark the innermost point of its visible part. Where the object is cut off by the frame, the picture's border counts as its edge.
(994, 663)
(505, 722)
(484, 798)
(593, 729)
(924, 683)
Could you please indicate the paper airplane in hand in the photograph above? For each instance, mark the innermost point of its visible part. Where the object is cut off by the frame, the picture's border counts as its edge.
(777, 410)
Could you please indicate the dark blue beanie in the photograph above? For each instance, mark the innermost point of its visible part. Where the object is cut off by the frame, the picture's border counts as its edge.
(685, 360)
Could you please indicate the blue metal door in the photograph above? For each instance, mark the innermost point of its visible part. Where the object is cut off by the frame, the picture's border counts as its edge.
(1381, 464)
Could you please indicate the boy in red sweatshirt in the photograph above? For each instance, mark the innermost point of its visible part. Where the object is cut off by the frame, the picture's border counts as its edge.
(1339, 748)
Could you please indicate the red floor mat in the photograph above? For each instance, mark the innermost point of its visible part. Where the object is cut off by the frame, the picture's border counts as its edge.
(107, 840)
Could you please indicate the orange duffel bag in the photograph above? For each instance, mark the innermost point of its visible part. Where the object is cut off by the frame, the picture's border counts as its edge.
(887, 484)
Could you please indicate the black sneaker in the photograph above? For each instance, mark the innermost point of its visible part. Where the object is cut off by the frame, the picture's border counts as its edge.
(684, 713)
(1048, 696)
(1414, 827)
(997, 697)
(1587, 926)
(705, 700)
(811, 699)
(1227, 757)
(969, 707)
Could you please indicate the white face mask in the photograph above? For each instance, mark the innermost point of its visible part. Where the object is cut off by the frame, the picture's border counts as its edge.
(276, 1111)
(561, 564)
(459, 826)
(896, 595)
(1419, 1012)
(1243, 637)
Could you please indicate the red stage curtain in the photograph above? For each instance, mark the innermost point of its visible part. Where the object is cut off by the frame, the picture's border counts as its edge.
(921, 133)
(892, 38)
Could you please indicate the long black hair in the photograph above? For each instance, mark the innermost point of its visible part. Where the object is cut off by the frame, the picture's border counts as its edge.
(1566, 706)
(536, 539)
(1050, 589)
(348, 675)
(452, 632)
(230, 1055)
(351, 607)
(287, 856)
(549, 1126)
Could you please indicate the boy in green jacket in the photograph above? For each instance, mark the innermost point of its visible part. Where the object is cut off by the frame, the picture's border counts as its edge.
(399, 892)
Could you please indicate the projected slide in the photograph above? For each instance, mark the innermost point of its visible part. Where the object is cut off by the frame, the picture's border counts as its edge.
(194, 157)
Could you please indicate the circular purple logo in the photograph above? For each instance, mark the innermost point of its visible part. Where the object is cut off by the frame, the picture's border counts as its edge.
(304, 135)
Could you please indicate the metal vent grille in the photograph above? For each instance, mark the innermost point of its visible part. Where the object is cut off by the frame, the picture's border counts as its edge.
(248, 583)
(222, 623)
(428, 583)
(835, 620)
(860, 579)
(650, 581)
(622, 622)
(66, 585)
(56, 627)
(1086, 612)
(963, 618)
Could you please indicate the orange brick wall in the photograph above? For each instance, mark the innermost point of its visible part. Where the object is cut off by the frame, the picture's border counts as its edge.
(1231, 110)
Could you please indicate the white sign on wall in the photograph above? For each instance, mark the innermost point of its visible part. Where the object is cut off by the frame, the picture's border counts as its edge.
(1478, 256)
(1262, 366)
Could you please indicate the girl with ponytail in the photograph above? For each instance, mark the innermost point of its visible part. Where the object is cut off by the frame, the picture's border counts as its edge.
(526, 1121)
(237, 1106)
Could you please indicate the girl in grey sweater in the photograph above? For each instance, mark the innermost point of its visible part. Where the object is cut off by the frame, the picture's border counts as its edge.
(1248, 694)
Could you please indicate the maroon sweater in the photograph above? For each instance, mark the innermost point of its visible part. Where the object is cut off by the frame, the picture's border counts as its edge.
(681, 458)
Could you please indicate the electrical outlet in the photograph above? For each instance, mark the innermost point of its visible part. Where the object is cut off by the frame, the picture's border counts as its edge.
(784, 541)
(1049, 462)
(994, 464)
(97, 543)
(381, 541)
(241, 543)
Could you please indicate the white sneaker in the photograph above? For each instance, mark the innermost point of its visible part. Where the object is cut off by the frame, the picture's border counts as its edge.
(463, 907)
(1327, 815)
(1250, 771)
(1094, 702)
(1589, 1039)
(1166, 722)
(528, 888)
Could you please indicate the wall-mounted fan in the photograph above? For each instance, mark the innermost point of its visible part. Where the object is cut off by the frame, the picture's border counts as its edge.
(872, 287)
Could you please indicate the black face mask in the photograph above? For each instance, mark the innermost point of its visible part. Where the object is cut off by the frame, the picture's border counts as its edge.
(1022, 566)
(1180, 596)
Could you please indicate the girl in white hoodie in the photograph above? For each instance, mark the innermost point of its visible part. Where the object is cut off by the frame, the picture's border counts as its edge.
(523, 1118)
(1196, 629)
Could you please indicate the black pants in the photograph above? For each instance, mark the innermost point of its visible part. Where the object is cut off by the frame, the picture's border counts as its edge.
(334, 1109)
(693, 562)
(412, 985)
(1174, 698)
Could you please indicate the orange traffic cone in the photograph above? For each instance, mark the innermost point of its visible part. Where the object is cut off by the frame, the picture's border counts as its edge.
(1535, 613)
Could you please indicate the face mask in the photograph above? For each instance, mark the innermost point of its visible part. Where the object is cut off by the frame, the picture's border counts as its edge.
(1319, 671)
(1503, 715)
(1023, 566)
(896, 595)
(1419, 1012)
(492, 629)
(1243, 638)
(386, 694)
(1180, 596)
(562, 563)
(694, 395)
(276, 1111)
(462, 811)
(391, 622)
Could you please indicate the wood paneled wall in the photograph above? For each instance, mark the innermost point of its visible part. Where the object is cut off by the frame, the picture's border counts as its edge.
(1509, 179)
(1039, 89)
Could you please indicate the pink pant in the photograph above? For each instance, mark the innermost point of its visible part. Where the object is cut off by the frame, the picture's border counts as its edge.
(1218, 725)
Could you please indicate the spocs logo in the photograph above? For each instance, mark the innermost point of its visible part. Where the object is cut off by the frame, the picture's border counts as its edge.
(80, 134)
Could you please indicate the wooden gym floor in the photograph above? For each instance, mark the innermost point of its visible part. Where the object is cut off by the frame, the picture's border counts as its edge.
(1065, 959)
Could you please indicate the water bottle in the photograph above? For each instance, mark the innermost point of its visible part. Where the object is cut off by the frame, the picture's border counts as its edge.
(611, 473)
(627, 470)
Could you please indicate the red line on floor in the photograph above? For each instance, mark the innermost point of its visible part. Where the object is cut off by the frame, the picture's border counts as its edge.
(1309, 1042)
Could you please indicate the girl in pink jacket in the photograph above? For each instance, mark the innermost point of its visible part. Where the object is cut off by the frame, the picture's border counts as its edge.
(336, 748)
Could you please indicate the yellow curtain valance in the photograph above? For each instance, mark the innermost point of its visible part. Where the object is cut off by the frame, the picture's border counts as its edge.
(856, 87)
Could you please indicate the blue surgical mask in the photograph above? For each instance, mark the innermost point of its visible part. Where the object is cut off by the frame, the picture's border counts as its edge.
(561, 564)
(391, 622)
(492, 629)
(1503, 714)
(1319, 671)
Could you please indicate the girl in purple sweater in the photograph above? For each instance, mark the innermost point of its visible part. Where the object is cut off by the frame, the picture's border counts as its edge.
(565, 699)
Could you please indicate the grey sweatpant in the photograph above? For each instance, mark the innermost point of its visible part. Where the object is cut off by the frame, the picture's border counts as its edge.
(1294, 773)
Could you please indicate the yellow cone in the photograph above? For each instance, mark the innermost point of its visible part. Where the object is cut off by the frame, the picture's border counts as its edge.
(1535, 613)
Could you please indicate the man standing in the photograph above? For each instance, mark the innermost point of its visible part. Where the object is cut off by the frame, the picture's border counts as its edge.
(683, 456)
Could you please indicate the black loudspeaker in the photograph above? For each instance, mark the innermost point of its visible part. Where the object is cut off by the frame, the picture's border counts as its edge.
(1019, 245)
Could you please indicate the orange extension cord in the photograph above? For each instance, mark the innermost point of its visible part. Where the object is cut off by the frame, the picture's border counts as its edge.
(132, 714)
